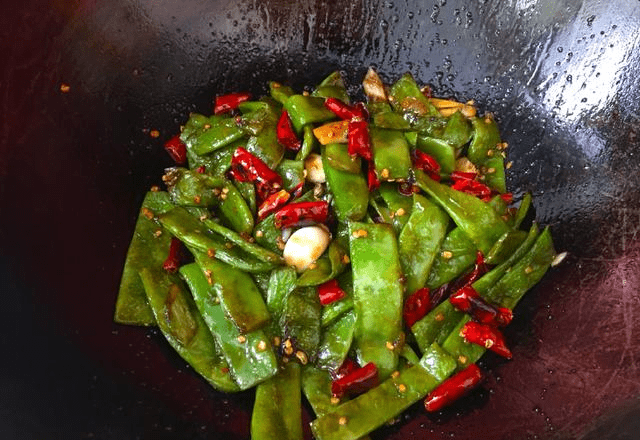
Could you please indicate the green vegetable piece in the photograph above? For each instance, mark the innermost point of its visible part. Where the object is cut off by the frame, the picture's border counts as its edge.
(409, 355)
(377, 295)
(505, 246)
(248, 192)
(332, 87)
(458, 131)
(478, 220)
(316, 385)
(483, 152)
(234, 211)
(339, 158)
(360, 416)
(309, 143)
(328, 266)
(400, 206)
(277, 411)
(197, 235)
(236, 291)
(382, 116)
(305, 110)
(280, 92)
(266, 146)
(456, 255)
(523, 209)
(300, 320)
(443, 152)
(292, 172)
(405, 97)
(217, 132)
(420, 240)
(335, 342)
(350, 191)
(281, 283)
(250, 356)
(190, 188)
(183, 327)
(146, 249)
(390, 154)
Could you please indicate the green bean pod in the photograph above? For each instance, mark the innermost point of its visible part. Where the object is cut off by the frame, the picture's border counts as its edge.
(390, 154)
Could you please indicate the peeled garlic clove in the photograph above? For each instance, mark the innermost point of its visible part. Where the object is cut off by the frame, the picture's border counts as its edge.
(305, 246)
(315, 171)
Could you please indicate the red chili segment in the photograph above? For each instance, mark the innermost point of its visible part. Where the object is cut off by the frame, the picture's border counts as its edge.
(472, 187)
(469, 301)
(345, 111)
(416, 306)
(357, 381)
(358, 140)
(479, 269)
(285, 134)
(453, 388)
(172, 263)
(486, 336)
(302, 213)
(245, 167)
(426, 163)
(347, 367)
(507, 197)
(176, 149)
(272, 203)
(226, 103)
(330, 292)
(373, 182)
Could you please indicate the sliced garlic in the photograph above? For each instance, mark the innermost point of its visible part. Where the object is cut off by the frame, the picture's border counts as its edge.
(305, 246)
(315, 171)
(373, 87)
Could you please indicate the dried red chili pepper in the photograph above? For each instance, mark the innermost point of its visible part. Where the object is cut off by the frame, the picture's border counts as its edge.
(507, 197)
(469, 301)
(173, 260)
(453, 388)
(347, 367)
(301, 213)
(201, 169)
(345, 111)
(245, 167)
(358, 140)
(176, 149)
(357, 381)
(426, 163)
(469, 278)
(373, 182)
(416, 306)
(472, 187)
(330, 292)
(285, 134)
(226, 103)
(272, 203)
(486, 336)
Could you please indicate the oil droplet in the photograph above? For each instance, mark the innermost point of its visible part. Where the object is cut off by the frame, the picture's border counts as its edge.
(560, 49)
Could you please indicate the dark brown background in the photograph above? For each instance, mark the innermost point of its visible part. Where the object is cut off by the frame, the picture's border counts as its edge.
(561, 77)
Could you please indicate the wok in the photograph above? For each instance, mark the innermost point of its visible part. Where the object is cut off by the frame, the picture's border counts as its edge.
(562, 78)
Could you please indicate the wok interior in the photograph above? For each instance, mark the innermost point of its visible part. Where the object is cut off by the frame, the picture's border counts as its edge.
(560, 77)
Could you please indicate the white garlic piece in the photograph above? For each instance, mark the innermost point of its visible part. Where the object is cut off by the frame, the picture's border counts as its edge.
(313, 167)
(305, 246)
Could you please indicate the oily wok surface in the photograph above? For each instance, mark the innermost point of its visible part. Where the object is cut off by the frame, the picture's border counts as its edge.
(561, 78)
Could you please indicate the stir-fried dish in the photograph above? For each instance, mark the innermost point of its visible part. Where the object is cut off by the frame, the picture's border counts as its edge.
(362, 255)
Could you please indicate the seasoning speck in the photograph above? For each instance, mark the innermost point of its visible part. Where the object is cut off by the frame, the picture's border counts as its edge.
(345, 259)
(147, 213)
(447, 255)
(360, 233)
(342, 421)
(390, 345)
(259, 234)
(302, 357)
(462, 359)
(400, 212)
(402, 388)
(211, 252)
(439, 316)
(528, 269)
(384, 173)
(154, 133)
(242, 339)
(65, 88)
(262, 345)
(334, 400)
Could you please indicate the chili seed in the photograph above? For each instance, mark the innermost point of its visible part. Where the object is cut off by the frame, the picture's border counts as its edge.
(462, 359)
(491, 170)
(447, 254)
(147, 213)
(488, 343)
(259, 234)
(65, 88)
(390, 345)
(345, 259)
(395, 374)
(158, 233)
(384, 173)
(211, 253)
(197, 199)
(155, 188)
(342, 420)
(262, 345)
(360, 233)
(400, 212)
(439, 316)
(334, 400)
(528, 269)
(242, 339)
(302, 357)
(402, 388)
(154, 133)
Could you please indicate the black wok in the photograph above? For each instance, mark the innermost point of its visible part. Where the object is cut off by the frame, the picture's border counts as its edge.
(561, 77)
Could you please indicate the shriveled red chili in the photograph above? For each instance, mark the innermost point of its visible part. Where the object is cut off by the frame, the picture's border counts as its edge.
(347, 367)
(453, 388)
(358, 140)
(356, 382)
(226, 103)
(373, 182)
(507, 197)
(330, 292)
(345, 111)
(176, 149)
(245, 167)
(486, 336)
(285, 134)
(174, 257)
(272, 203)
(426, 163)
(302, 213)
(472, 187)
(469, 301)
(416, 306)
(201, 169)
(469, 278)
